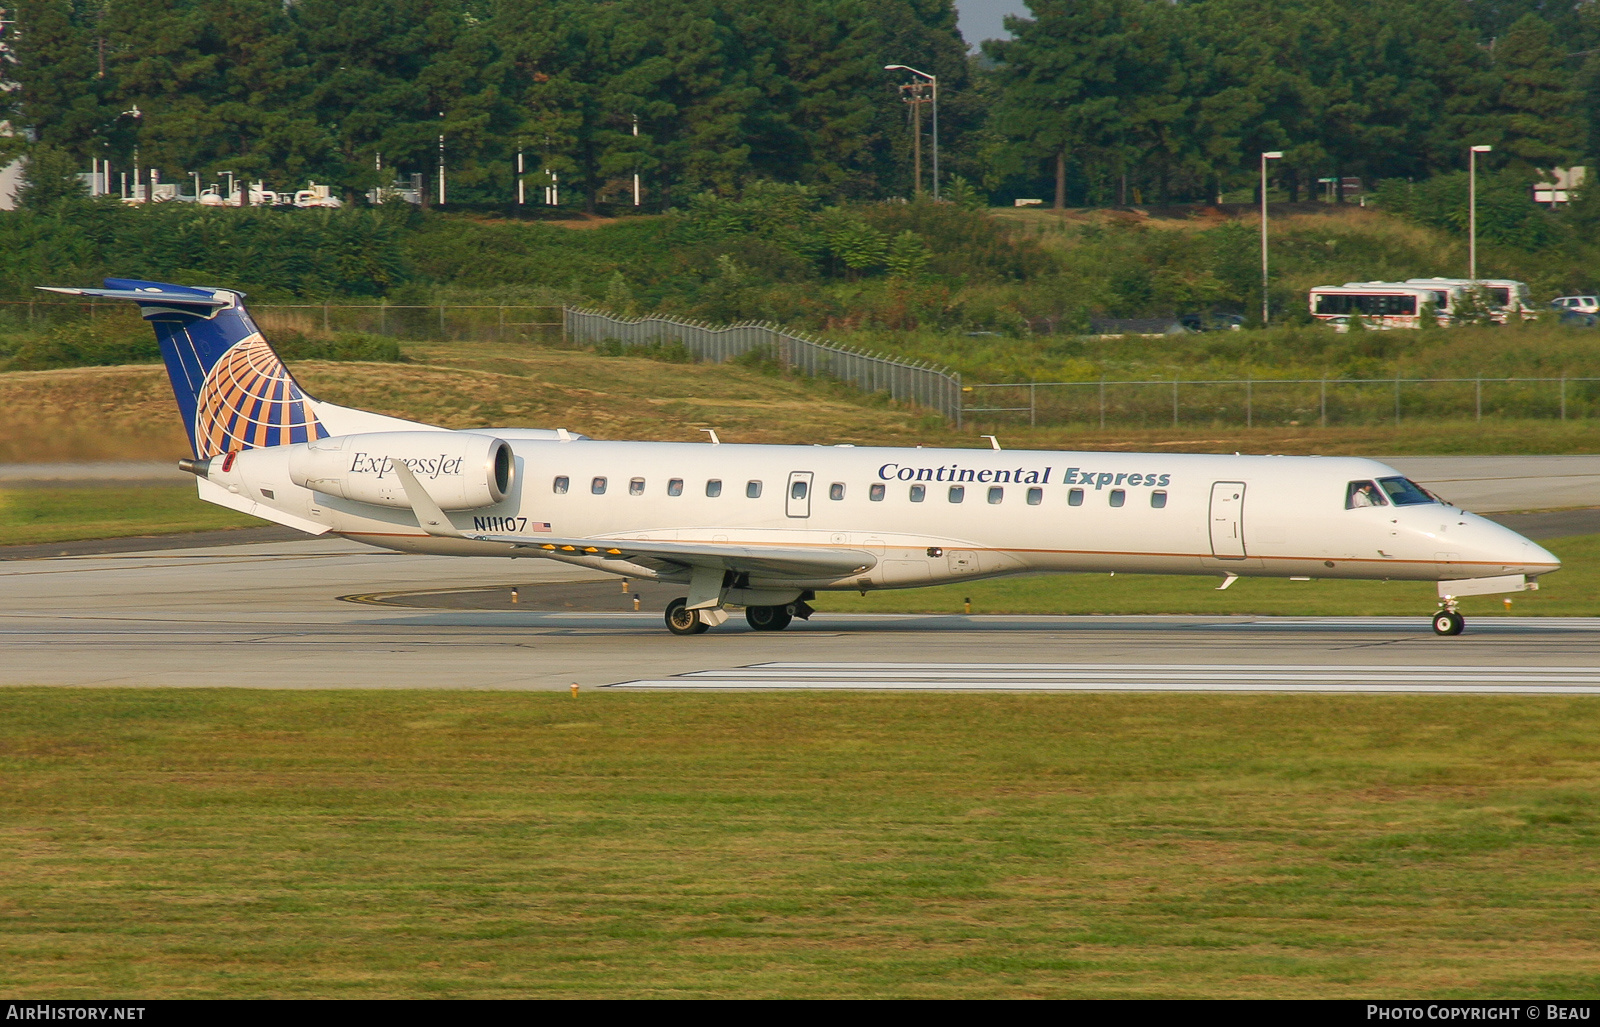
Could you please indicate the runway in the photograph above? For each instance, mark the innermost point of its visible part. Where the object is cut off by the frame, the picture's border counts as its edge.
(280, 615)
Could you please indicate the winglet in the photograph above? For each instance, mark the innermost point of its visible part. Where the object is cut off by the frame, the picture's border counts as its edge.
(429, 517)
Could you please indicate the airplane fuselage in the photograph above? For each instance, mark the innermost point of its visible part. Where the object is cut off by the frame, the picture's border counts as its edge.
(939, 515)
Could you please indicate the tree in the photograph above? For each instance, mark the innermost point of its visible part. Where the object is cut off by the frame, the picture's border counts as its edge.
(1536, 98)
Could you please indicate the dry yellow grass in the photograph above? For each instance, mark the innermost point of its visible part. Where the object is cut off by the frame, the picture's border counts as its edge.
(127, 413)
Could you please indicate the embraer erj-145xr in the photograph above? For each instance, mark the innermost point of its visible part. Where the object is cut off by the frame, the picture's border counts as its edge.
(767, 527)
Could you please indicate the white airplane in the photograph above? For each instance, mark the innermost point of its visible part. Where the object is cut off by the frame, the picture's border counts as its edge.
(767, 527)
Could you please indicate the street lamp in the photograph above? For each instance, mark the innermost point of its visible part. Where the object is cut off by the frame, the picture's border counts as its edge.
(1472, 211)
(934, 79)
(1265, 156)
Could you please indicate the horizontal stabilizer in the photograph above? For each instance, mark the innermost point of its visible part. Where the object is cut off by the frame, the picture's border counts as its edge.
(147, 294)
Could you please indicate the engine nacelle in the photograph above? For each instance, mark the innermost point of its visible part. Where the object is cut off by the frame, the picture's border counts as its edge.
(460, 471)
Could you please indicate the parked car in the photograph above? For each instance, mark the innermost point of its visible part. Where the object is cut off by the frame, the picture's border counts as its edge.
(1578, 319)
(1582, 304)
(1211, 322)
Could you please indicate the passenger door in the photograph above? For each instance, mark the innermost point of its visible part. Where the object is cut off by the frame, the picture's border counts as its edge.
(798, 496)
(1227, 520)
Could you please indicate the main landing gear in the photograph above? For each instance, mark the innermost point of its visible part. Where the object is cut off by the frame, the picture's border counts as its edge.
(1448, 622)
(683, 621)
(768, 618)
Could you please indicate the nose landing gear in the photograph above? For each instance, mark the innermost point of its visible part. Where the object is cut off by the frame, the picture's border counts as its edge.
(1448, 622)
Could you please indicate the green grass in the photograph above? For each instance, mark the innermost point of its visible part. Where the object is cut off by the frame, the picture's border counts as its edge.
(196, 843)
(34, 515)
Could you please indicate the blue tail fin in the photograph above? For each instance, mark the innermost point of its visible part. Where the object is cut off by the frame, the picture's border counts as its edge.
(233, 391)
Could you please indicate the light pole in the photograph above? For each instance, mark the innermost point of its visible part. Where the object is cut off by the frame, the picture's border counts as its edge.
(441, 158)
(934, 80)
(1472, 211)
(1265, 156)
(636, 160)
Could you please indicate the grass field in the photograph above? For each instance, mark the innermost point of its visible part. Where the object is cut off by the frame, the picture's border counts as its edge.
(193, 843)
(127, 413)
(32, 515)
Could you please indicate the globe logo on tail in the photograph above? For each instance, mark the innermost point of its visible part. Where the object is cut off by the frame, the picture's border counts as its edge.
(249, 401)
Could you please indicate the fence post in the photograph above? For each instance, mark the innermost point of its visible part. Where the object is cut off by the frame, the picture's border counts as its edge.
(1396, 399)
(1322, 414)
(1249, 403)
(325, 315)
(383, 316)
(1174, 402)
(1563, 397)
(1102, 404)
(441, 323)
(1033, 407)
(1478, 397)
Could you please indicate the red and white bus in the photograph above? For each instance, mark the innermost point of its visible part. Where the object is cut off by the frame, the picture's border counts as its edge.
(1503, 296)
(1383, 304)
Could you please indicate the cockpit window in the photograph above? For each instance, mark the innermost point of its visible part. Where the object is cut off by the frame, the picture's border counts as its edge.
(1363, 493)
(1405, 492)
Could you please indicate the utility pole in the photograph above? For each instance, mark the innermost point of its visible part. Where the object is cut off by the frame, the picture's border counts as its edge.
(441, 158)
(933, 82)
(636, 160)
(915, 94)
(520, 183)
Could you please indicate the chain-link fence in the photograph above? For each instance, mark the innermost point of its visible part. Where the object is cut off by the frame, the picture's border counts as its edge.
(909, 381)
(439, 322)
(1280, 401)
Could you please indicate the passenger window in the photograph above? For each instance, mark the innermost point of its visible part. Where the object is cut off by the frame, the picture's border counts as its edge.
(919, 493)
(559, 486)
(875, 493)
(714, 488)
(957, 493)
(598, 486)
(1158, 500)
(1075, 497)
(996, 494)
(752, 490)
(1035, 496)
(675, 487)
(1118, 497)
(796, 490)
(1363, 493)
(636, 487)
(836, 490)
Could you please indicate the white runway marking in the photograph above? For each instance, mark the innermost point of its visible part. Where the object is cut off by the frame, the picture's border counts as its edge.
(1106, 677)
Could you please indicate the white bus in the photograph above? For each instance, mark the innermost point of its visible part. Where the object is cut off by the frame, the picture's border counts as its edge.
(1382, 304)
(1503, 296)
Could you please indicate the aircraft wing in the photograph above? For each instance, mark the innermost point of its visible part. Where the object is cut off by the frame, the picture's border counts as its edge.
(782, 561)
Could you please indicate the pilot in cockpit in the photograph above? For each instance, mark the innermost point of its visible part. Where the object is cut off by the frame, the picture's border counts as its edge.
(1363, 493)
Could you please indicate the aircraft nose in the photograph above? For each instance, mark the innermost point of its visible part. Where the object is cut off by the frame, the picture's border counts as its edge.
(1519, 555)
(1536, 559)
